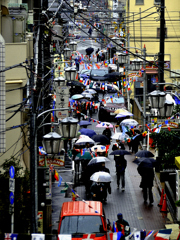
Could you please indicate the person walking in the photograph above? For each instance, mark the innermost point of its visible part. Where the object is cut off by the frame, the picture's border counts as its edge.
(107, 133)
(121, 225)
(98, 191)
(97, 55)
(121, 165)
(147, 179)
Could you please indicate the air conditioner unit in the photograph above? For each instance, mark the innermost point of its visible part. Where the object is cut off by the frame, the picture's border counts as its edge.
(157, 2)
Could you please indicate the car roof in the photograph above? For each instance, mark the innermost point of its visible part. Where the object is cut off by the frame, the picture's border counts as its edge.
(75, 208)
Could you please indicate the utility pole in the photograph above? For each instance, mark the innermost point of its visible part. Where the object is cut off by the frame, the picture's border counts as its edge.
(144, 96)
(161, 53)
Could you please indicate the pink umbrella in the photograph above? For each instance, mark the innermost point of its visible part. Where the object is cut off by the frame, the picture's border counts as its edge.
(104, 125)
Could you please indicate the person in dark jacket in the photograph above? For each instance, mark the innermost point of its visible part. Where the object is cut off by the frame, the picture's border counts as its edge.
(98, 191)
(107, 133)
(121, 165)
(121, 225)
(147, 180)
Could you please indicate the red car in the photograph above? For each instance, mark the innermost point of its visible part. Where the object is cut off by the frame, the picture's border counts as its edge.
(79, 218)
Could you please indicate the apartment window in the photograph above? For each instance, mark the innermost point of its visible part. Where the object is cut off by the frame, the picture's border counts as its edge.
(139, 2)
(158, 32)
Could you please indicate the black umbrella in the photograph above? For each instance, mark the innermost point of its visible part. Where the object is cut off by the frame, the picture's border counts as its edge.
(75, 83)
(120, 152)
(89, 50)
(112, 77)
(84, 123)
(100, 138)
(146, 162)
(144, 153)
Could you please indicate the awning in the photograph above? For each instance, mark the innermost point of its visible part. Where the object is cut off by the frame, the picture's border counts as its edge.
(151, 71)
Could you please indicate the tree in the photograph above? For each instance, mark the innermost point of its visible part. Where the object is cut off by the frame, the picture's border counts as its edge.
(168, 144)
(22, 201)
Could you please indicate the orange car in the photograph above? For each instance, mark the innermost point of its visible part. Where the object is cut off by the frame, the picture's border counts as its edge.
(79, 218)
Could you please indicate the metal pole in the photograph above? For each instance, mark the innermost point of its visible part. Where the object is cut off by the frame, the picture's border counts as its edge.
(161, 53)
(144, 97)
(33, 159)
(12, 219)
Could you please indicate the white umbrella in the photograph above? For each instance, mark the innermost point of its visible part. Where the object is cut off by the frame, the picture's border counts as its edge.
(98, 148)
(120, 136)
(114, 86)
(98, 160)
(123, 115)
(129, 123)
(101, 177)
(84, 140)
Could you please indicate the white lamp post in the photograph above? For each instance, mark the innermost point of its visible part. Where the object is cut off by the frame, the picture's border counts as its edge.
(137, 64)
(67, 52)
(69, 127)
(73, 46)
(70, 74)
(51, 143)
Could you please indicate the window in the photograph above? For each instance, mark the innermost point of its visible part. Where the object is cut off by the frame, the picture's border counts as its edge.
(157, 1)
(139, 2)
(158, 32)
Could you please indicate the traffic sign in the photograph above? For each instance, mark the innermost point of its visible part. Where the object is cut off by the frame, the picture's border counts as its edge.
(11, 184)
(11, 172)
(11, 198)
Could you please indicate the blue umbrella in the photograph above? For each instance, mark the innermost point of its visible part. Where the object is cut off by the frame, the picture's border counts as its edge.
(84, 123)
(88, 132)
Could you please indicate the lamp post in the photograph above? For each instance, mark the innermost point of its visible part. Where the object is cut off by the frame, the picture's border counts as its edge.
(73, 45)
(137, 64)
(67, 52)
(70, 74)
(51, 143)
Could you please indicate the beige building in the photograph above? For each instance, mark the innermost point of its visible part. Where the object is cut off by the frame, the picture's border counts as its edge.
(143, 23)
(18, 48)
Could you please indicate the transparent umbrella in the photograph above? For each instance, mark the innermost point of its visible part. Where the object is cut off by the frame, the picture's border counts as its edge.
(101, 177)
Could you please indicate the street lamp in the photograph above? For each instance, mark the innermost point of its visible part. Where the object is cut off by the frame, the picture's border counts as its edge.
(70, 74)
(122, 57)
(69, 127)
(59, 81)
(160, 107)
(51, 143)
(67, 52)
(118, 42)
(73, 45)
(137, 64)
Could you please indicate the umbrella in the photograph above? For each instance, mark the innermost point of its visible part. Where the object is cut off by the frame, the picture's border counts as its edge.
(98, 160)
(113, 76)
(75, 83)
(120, 152)
(87, 95)
(83, 141)
(90, 91)
(120, 110)
(123, 114)
(84, 123)
(86, 156)
(98, 148)
(129, 122)
(144, 153)
(120, 136)
(83, 100)
(105, 125)
(89, 50)
(100, 138)
(77, 96)
(145, 162)
(113, 86)
(101, 177)
(88, 132)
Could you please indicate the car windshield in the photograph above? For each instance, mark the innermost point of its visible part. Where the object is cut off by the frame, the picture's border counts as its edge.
(81, 224)
(101, 73)
(115, 100)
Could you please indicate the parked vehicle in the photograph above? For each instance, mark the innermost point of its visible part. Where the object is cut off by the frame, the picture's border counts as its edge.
(109, 106)
(79, 217)
(98, 74)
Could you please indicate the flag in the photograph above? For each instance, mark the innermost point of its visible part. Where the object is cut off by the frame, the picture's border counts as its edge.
(115, 235)
(163, 234)
(56, 175)
(65, 188)
(41, 151)
(60, 180)
(51, 167)
(149, 234)
(7, 236)
(137, 235)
